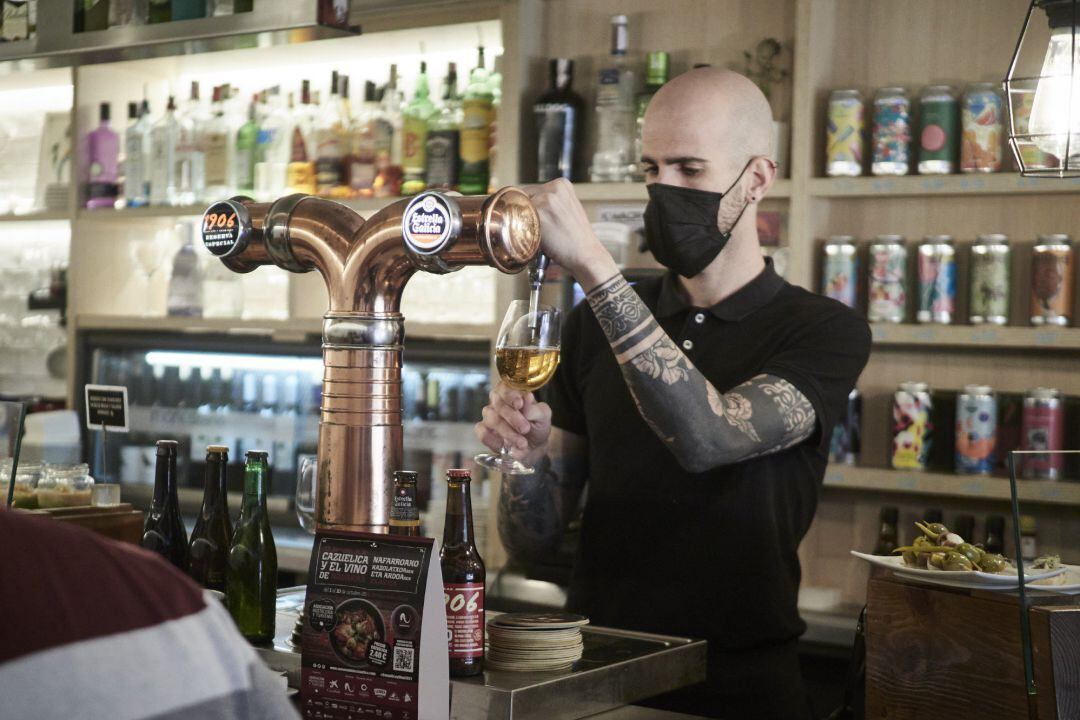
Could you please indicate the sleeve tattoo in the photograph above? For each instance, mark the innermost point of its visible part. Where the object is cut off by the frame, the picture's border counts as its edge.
(703, 427)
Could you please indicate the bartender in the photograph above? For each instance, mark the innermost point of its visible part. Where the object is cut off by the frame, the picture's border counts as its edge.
(697, 408)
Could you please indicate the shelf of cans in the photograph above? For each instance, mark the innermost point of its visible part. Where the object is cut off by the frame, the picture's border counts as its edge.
(934, 285)
(970, 432)
(940, 131)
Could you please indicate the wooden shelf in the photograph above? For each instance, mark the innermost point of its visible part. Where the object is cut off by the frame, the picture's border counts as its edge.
(941, 186)
(291, 330)
(150, 211)
(36, 216)
(946, 485)
(1039, 339)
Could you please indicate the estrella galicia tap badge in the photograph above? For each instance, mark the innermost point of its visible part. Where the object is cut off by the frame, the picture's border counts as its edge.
(427, 224)
(221, 228)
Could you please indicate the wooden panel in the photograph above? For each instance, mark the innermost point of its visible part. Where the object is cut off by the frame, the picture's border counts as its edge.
(1065, 641)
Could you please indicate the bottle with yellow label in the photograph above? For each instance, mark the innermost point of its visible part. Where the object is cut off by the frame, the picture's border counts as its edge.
(478, 114)
(417, 115)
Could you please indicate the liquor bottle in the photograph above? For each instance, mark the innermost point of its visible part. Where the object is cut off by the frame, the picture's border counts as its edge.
(300, 174)
(404, 514)
(615, 111)
(89, 15)
(888, 537)
(327, 135)
(656, 74)
(160, 11)
(476, 132)
(164, 531)
(137, 150)
(1029, 538)
(103, 152)
(209, 549)
(190, 154)
(122, 177)
(495, 84)
(163, 141)
(463, 579)
(346, 133)
(388, 140)
(995, 535)
(559, 115)
(246, 137)
(272, 148)
(415, 121)
(251, 577)
(358, 166)
(185, 294)
(218, 150)
(188, 9)
(444, 138)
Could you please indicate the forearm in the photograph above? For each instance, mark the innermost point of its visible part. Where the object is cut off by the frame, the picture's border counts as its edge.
(703, 427)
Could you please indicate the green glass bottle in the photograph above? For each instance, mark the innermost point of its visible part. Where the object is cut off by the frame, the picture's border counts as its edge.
(160, 11)
(208, 553)
(247, 137)
(415, 121)
(251, 577)
(478, 115)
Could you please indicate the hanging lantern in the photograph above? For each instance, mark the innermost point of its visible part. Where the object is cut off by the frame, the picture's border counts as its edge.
(1044, 109)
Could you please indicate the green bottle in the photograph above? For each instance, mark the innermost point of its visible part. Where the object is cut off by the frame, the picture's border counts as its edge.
(160, 11)
(415, 119)
(251, 577)
(247, 139)
(478, 114)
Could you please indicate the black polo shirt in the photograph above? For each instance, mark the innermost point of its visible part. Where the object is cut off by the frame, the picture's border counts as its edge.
(709, 554)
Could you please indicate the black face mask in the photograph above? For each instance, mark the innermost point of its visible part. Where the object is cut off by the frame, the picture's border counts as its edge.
(681, 226)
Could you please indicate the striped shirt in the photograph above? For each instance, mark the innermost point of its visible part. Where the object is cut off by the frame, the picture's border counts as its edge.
(92, 628)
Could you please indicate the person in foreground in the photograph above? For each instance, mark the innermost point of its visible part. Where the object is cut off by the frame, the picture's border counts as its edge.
(92, 628)
(697, 408)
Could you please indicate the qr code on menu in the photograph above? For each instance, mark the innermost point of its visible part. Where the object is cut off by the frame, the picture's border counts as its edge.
(403, 659)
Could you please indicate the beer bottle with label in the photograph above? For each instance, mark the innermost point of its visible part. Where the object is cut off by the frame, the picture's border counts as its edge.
(164, 531)
(404, 514)
(463, 580)
(209, 550)
(251, 577)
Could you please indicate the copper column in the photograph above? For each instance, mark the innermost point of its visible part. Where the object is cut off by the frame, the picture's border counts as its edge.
(366, 264)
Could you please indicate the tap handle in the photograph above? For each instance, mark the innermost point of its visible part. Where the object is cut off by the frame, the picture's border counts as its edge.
(538, 269)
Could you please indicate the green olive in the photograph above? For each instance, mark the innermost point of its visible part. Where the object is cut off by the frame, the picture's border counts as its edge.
(955, 561)
(921, 542)
(937, 528)
(992, 563)
(938, 560)
(971, 552)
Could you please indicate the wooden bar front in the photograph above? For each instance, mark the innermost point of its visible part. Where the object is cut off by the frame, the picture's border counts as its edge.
(942, 652)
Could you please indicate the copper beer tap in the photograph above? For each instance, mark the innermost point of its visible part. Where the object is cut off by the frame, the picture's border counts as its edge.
(365, 265)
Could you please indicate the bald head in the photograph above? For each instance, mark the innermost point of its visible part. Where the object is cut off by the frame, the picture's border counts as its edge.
(711, 114)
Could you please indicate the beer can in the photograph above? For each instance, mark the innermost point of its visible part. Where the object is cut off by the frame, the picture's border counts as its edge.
(844, 138)
(976, 430)
(938, 135)
(891, 136)
(847, 435)
(991, 263)
(937, 280)
(981, 149)
(888, 280)
(1043, 428)
(912, 433)
(1052, 280)
(840, 270)
(1033, 156)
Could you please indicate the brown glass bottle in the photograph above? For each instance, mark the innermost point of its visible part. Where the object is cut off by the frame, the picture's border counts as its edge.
(209, 549)
(164, 531)
(404, 513)
(887, 535)
(463, 580)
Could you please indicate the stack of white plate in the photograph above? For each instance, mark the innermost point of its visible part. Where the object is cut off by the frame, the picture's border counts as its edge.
(534, 642)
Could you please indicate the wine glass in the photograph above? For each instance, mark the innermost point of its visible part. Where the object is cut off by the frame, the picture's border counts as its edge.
(526, 355)
(306, 493)
(147, 257)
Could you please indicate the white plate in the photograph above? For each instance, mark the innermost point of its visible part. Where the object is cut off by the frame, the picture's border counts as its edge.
(966, 579)
(1070, 587)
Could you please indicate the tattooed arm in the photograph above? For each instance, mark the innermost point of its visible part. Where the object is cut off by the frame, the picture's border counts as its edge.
(703, 427)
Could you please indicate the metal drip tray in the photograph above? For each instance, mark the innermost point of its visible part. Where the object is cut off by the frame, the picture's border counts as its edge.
(618, 667)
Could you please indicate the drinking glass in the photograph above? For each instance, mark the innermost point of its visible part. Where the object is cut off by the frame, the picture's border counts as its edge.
(526, 355)
(148, 256)
(307, 493)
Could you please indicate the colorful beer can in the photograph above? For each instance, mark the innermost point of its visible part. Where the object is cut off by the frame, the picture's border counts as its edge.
(976, 430)
(844, 136)
(938, 135)
(887, 297)
(937, 280)
(891, 136)
(1052, 280)
(991, 263)
(1043, 428)
(912, 432)
(840, 270)
(1032, 155)
(847, 435)
(981, 149)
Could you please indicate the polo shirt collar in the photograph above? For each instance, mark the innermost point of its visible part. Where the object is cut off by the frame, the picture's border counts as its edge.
(750, 297)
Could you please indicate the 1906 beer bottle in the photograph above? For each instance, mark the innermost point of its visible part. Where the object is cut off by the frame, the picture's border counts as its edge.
(463, 580)
(404, 514)
(209, 550)
(164, 531)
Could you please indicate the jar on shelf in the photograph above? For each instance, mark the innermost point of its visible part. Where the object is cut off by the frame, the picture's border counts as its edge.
(65, 486)
(939, 128)
(27, 478)
(845, 143)
(891, 137)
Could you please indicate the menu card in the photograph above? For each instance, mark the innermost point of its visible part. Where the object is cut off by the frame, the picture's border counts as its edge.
(374, 637)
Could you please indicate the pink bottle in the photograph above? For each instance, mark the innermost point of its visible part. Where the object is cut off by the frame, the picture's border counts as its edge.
(103, 153)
